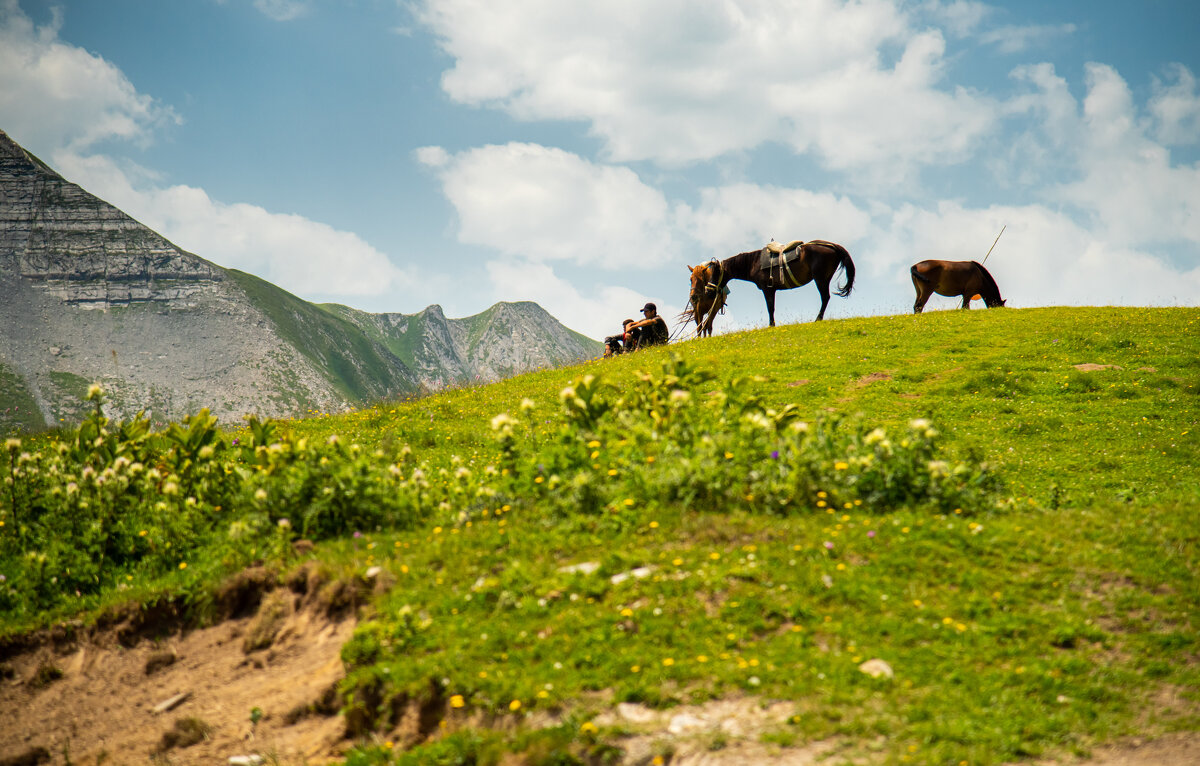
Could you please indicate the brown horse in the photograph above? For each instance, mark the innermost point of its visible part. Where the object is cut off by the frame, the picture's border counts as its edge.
(707, 298)
(966, 278)
(817, 261)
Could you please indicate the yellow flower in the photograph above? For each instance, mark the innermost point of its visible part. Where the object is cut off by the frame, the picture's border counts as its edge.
(588, 728)
(626, 612)
(629, 502)
(668, 662)
(515, 705)
(457, 701)
(542, 694)
(654, 525)
(677, 562)
(840, 466)
(729, 456)
(841, 567)
(183, 565)
(714, 555)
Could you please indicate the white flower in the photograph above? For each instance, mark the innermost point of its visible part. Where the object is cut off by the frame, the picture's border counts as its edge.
(876, 436)
(527, 404)
(920, 424)
(503, 422)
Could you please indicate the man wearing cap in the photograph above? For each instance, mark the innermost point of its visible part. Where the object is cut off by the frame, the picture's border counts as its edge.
(651, 331)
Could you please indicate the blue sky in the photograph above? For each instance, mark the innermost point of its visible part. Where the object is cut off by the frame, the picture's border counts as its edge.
(389, 155)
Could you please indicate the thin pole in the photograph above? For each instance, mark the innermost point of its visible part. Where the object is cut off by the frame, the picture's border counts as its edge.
(989, 252)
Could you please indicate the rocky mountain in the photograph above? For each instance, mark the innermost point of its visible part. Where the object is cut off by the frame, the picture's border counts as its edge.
(88, 294)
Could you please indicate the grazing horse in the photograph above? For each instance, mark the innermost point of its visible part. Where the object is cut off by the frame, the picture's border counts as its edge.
(707, 297)
(966, 278)
(815, 261)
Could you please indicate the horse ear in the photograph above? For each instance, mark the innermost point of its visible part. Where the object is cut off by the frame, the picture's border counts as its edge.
(689, 268)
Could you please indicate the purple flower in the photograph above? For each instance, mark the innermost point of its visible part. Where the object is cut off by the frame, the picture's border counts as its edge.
(871, 533)
(829, 545)
(775, 455)
(357, 534)
(235, 441)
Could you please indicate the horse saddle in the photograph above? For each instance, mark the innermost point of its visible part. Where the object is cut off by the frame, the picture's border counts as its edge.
(775, 253)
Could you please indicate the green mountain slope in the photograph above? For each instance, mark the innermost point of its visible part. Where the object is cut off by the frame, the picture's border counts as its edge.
(998, 506)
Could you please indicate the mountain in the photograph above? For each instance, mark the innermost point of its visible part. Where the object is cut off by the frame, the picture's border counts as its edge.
(88, 294)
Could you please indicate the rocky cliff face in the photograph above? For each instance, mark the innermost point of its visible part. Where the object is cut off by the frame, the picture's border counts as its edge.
(87, 294)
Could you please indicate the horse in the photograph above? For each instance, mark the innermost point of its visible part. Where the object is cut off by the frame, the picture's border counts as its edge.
(815, 261)
(966, 278)
(706, 299)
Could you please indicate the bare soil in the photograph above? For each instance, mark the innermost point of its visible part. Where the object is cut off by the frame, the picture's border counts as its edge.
(94, 700)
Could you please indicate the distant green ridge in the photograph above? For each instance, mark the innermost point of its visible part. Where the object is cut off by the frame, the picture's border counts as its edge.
(360, 367)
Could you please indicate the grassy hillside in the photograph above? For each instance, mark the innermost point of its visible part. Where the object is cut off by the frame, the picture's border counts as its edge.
(999, 505)
(357, 366)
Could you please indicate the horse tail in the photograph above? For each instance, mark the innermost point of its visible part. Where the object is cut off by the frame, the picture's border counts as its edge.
(916, 273)
(848, 265)
(990, 291)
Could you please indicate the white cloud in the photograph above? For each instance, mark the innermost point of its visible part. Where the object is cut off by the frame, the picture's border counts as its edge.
(1176, 107)
(739, 217)
(545, 204)
(690, 80)
(305, 257)
(1017, 39)
(62, 95)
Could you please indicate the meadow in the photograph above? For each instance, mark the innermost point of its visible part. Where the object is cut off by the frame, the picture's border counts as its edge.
(999, 505)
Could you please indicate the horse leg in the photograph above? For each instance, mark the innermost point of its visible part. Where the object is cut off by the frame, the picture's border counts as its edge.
(967, 299)
(922, 294)
(823, 289)
(769, 296)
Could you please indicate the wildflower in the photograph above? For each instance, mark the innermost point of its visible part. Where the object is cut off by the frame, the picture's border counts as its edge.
(94, 392)
(828, 545)
(456, 701)
(588, 728)
(626, 612)
(840, 465)
(677, 562)
(870, 533)
(654, 525)
(183, 565)
(13, 444)
(920, 424)
(515, 705)
(668, 662)
(774, 454)
(527, 404)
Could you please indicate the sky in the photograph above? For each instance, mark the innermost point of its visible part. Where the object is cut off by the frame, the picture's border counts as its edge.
(393, 154)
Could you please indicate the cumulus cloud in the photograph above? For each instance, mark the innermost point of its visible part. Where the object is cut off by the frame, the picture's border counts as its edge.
(685, 81)
(546, 204)
(1176, 107)
(300, 255)
(739, 217)
(64, 95)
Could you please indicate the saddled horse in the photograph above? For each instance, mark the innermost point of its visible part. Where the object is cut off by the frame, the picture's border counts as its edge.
(966, 278)
(707, 296)
(800, 263)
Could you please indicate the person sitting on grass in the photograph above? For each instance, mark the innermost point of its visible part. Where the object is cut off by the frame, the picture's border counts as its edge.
(651, 331)
(615, 344)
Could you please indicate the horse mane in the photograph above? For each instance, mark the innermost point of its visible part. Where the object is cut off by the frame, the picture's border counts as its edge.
(989, 284)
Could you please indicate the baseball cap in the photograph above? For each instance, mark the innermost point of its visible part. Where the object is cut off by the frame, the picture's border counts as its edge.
(649, 307)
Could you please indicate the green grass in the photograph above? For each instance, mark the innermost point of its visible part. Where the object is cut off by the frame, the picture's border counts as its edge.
(1031, 618)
